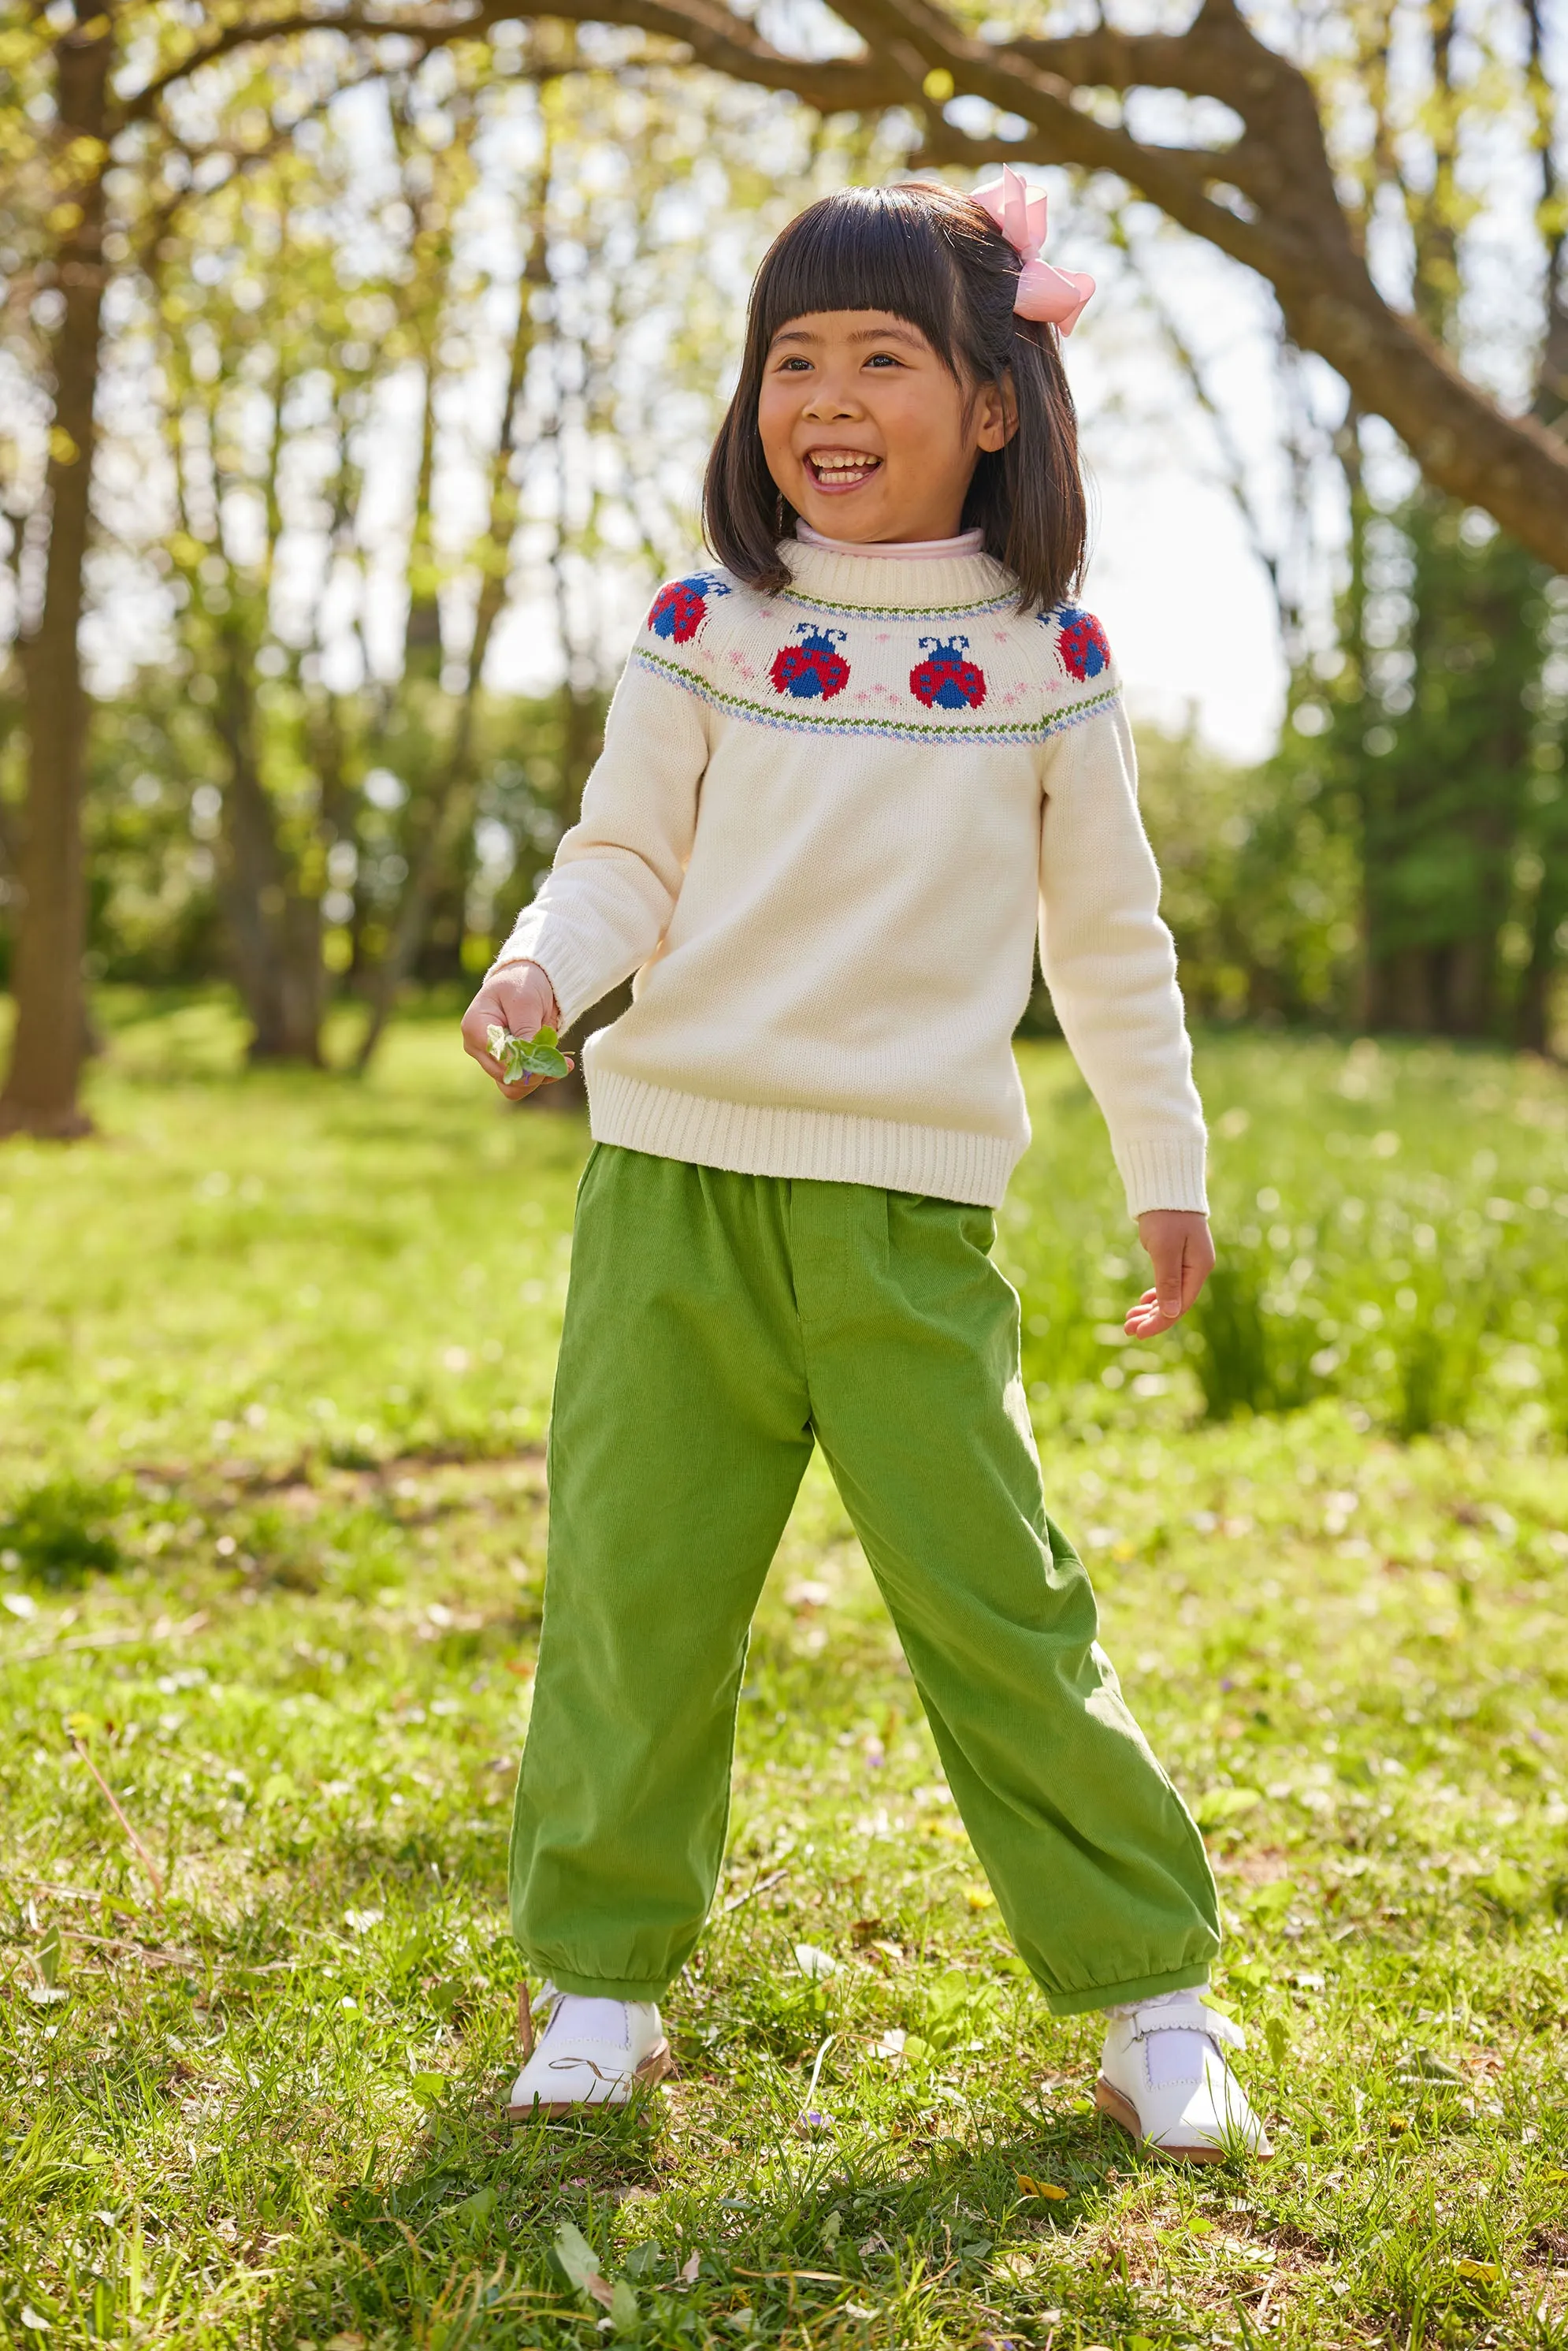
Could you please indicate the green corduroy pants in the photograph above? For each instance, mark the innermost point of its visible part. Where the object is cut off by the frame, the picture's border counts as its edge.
(716, 1325)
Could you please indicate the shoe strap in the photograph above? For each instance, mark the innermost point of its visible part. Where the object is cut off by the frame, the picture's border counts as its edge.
(1190, 2017)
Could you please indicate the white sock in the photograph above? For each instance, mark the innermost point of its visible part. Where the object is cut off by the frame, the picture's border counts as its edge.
(1171, 2056)
(1159, 2000)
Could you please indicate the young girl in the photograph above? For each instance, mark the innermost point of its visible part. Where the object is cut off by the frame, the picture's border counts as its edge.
(844, 776)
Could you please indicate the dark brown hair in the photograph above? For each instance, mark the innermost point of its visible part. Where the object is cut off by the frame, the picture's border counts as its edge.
(934, 259)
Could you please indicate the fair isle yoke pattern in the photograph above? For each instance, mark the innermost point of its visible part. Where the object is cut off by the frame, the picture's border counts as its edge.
(975, 672)
(830, 906)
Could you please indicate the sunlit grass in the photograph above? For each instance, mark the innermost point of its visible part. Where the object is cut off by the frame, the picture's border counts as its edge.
(271, 1555)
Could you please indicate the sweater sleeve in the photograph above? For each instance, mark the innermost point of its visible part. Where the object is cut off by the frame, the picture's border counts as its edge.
(1110, 962)
(617, 873)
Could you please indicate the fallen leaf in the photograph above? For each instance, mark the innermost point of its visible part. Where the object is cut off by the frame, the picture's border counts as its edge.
(814, 1962)
(1488, 2273)
(689, 2269)
(581, 2262)
(1426, 2066)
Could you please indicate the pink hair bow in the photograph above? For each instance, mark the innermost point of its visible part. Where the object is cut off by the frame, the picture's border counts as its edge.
(1056, 296)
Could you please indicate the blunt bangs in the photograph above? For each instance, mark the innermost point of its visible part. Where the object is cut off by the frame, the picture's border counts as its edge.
(934, 258)
(863, 250)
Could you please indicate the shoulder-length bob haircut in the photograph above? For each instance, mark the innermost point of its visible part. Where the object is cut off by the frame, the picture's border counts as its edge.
(934, 259)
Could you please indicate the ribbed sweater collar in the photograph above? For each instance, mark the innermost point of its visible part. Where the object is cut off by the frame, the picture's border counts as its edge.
(920, 584)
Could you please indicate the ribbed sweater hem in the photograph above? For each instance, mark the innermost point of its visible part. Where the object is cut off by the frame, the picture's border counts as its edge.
(823, 1146)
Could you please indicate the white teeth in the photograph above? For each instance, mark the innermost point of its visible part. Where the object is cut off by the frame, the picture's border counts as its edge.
(849, 471)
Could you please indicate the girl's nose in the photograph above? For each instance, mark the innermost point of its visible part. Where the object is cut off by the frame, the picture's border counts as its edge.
(830, 400)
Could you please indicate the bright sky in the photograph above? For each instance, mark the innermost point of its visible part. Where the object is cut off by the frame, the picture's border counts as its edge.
(1187, 607)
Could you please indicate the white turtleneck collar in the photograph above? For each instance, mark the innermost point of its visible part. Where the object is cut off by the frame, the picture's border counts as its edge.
(957, 579)
(908, 551)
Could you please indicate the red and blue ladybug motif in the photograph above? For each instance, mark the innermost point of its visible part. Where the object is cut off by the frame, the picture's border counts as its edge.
(680, 610)
(812, 669)
(1085, 647)
(944, 680)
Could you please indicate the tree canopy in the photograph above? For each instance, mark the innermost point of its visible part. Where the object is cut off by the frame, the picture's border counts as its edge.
(1361, 158)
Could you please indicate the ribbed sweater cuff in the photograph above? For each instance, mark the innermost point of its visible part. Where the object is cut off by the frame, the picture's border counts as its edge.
(536, 940)
(1162, 1172)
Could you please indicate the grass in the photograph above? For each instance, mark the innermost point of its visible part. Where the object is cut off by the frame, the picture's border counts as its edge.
(275, 1357)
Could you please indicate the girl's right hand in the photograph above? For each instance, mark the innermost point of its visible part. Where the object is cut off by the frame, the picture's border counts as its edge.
(522, 1001)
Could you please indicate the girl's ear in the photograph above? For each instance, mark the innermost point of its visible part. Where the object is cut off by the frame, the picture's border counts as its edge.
(997, 414)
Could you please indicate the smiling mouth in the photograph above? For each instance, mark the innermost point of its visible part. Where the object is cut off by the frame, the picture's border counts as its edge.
(840, 469)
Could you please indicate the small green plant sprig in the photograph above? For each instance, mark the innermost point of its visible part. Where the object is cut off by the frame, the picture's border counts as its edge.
(538, 1056)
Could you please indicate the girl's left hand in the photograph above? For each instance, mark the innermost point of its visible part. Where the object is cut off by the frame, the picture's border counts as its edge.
(1181, 1251)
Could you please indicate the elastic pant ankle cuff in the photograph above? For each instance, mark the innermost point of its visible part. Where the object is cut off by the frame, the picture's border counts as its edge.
(596, 1987)
(1116, 1995)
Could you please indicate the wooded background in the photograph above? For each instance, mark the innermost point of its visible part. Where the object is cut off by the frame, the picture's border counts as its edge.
(340, 344)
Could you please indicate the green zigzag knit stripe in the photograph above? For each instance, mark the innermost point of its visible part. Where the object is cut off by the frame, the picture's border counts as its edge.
(803, 722)
(895, 611)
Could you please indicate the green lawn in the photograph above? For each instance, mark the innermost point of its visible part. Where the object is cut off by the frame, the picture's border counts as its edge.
(275, 1362)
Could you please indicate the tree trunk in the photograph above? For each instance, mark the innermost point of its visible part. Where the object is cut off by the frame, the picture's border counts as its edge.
(41, 1086)
(276, 932)
(1534, 1011)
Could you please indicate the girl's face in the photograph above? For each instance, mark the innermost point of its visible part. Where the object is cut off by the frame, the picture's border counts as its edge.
(867, 433)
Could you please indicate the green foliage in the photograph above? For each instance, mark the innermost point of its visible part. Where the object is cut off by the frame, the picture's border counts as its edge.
(1260, 883)
(267, 2111)
(1391, 1225)
(60, 1532)
(1234, 1370)
(538, 1056)
(1441, 724)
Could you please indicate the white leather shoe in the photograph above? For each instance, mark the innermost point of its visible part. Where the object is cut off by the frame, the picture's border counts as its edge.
(1164, 2076)
(591, 2053)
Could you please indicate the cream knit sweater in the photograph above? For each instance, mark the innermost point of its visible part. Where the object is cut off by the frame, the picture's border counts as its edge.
(822, 833)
